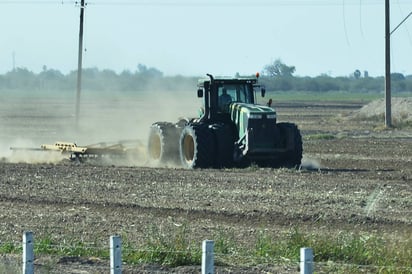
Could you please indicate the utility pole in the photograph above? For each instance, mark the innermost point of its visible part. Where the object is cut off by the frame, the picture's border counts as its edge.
(388, 33)
(388, 110)
(79, 63)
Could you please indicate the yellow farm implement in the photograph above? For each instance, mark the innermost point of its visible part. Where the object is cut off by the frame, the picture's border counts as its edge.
(74, 152)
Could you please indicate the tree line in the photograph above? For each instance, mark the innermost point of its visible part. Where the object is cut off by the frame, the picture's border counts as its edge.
(143, 78)
(276, 76)
(279, 77)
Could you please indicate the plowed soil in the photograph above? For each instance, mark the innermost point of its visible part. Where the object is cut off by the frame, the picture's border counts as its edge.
(356, 176)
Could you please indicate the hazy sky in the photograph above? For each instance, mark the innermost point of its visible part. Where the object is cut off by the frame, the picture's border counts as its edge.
(195, 37)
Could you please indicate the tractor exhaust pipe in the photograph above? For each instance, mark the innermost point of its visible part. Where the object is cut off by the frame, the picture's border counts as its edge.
(207, 110)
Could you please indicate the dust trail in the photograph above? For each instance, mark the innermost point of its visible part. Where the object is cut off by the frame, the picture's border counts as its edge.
(5, 152)
(105, 117)
(310, 164)
(24, 155)
(36, 157)
(5, 147)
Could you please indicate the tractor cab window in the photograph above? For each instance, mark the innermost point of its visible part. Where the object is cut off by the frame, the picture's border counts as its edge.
(229, 93)
(225, 98)
(244, 93)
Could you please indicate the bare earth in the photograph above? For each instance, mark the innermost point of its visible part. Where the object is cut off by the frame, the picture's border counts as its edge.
(360, 181)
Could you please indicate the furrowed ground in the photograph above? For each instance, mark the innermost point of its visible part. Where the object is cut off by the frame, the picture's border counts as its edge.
(356, 179)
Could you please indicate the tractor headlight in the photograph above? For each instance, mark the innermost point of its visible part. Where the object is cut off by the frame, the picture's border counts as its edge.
(255, 116)
(271, 116)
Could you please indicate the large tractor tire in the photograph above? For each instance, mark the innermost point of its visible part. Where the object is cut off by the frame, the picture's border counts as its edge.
(163, 146)
(291, 139)
(196, 147)
(224, 145)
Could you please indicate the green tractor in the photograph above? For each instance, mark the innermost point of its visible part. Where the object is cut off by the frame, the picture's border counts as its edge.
(232, 131)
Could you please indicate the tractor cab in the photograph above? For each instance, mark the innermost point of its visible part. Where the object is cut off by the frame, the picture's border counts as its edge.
(228, 93)
(221, 93)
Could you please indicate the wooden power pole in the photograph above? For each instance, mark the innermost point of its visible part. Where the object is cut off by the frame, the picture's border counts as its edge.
(388, 110)
(388, 33)
(79, 63)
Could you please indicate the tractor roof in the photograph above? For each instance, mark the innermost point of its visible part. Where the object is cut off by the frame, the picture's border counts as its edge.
(228, 80)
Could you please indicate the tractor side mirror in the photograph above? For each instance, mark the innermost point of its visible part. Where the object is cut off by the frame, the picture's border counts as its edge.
(263, 91)
(200, 93)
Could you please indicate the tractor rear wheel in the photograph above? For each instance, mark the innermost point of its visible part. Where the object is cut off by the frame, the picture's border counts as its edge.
(196, 147)
(163, 146)
(224, 145)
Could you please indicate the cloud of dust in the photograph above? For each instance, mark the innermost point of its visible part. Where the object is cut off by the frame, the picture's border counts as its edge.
(128, 116)
(5, 151)
(22, 153)
(106, 118)
(310, 164)
(36, 157)
(28, 119)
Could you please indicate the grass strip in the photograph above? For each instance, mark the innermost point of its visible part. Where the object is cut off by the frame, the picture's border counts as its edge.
(342, 252)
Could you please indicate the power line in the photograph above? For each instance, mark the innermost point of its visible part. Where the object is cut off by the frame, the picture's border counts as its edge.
(202, 3)
(360, 17)
(406, 27)
(237, 3)
(35, 2)
(344, 23)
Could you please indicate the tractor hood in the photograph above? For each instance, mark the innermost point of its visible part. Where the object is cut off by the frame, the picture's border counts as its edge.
(252, 108)
(243, 114)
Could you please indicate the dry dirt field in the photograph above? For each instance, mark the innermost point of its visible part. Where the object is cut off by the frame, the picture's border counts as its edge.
(360, 180)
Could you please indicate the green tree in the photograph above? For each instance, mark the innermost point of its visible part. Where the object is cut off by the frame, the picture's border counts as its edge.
(22, 78)
(51, 79)
(278, 68)
(143, 70)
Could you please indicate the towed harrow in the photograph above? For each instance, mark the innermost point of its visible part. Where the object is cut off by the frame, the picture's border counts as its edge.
(99, 150)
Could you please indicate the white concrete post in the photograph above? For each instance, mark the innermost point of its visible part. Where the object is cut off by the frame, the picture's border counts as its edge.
(115, 255)
(306, 260)
(207, 257)
(28, 253)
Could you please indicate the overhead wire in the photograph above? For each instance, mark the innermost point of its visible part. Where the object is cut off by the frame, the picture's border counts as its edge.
(234, 3)
(406, 26)
(344, 23)
(396, 28)
(360, 18)
(17, 2)
(200, 3)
